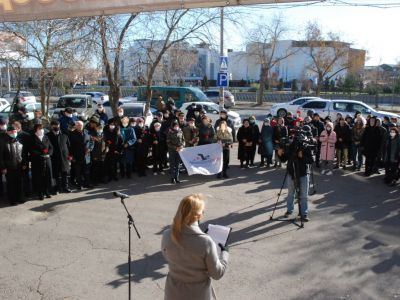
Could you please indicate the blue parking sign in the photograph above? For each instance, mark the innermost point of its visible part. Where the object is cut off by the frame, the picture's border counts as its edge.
(223, 79)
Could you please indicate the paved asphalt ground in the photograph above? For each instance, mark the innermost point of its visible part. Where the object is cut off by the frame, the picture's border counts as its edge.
(75, 246)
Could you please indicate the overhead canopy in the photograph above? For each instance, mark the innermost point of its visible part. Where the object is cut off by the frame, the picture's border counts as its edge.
(28, 10)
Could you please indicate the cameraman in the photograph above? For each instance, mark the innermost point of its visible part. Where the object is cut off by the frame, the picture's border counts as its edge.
(298, 156)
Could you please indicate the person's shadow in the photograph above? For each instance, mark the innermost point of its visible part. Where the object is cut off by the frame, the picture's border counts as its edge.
(149, 266)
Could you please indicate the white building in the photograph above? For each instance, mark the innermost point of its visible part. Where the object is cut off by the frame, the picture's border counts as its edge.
(245, 65)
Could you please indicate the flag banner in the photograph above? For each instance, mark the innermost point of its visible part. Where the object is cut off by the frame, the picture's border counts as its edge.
(204, 160)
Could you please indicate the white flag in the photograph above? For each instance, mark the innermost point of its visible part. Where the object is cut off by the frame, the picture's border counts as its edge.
(205, 159)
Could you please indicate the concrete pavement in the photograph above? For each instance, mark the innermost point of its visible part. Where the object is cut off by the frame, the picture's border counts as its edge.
(75, 246)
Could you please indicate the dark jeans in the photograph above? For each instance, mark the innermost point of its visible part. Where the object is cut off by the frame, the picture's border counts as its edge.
(174, 161)
(357, 156)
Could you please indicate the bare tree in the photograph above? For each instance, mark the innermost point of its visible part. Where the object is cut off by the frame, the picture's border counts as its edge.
(329, 55)
(262, 42)
(113, 31)
(50, 43)
(167, 29)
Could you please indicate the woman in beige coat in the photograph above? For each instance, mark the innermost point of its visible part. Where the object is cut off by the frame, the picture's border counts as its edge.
(191, 254)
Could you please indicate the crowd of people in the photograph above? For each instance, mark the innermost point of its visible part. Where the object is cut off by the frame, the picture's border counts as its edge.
(41, 158)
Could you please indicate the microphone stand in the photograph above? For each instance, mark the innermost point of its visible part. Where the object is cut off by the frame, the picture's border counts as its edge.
(131, 223)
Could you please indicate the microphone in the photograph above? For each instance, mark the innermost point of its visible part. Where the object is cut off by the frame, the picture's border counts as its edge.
(121, 195)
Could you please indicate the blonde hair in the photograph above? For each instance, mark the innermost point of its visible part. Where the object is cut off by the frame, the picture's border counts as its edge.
(188, 212)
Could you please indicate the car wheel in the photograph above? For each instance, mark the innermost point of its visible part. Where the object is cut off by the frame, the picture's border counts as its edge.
(281, 113)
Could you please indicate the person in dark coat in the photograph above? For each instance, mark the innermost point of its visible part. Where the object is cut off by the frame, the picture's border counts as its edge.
(141, 147)
(128, 140)
(113, 141)
(157, 148)
(98, 155)
(392, 157)
(40, 150)
(12, 163)
(256, 135)
(343, 141)
(81, 146)
(319, 125)
(371, 143)
(280, 139)
(101, 114)
(191, 111)
(67, 120)
(266, 148)
(381, 155)
(61, 158)
(22, 117)
(24, 138)
(245, 139)
(206, 132)
(191, 133)
(3, 133)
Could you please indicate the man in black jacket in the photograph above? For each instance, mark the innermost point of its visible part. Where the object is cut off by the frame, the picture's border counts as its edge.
(81, 145)
(298, 160)
(24, 138)
(319, 125)
(60, 159)
(12, 162)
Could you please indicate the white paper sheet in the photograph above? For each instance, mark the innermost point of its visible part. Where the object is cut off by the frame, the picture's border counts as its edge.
(218, 233)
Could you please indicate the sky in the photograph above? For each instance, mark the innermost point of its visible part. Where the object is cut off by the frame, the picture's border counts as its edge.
(373, 29)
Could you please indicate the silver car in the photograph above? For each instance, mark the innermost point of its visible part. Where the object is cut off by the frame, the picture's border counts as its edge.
(229, 99)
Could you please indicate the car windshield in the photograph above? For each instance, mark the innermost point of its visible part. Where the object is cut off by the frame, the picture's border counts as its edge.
(26, 94)
(72, 102)
(201, 96)
(133, 111)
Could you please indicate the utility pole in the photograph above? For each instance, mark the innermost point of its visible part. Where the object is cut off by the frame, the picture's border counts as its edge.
(8, 76)
(221, 45)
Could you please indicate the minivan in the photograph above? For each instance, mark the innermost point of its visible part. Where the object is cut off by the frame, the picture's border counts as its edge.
(180, 94)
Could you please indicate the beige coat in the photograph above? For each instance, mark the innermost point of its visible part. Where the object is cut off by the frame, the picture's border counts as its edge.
(192, 264)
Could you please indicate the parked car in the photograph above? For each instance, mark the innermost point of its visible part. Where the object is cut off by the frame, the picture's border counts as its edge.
(212, 110)
(281, 109)
(180, 94)
(229, 99)
(3, 103)
(346, 107)
(30, 107)
(132, 110)
(24, 97)
(97, 97)
(81, 103)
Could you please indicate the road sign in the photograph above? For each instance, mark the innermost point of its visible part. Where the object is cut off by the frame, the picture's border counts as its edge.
(222, 79)
(223, 63)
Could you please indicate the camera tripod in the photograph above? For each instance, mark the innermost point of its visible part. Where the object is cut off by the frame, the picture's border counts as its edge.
(296, 193)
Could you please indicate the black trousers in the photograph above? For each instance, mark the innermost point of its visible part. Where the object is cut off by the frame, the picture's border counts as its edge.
(391, 171)
(81, 172)
(370, 163)
(60, 176)
(97, 171)
(14, 186)
(110, 167)
(225, 159)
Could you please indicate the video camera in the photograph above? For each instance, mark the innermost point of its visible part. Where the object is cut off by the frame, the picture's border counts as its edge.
(299, 140)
